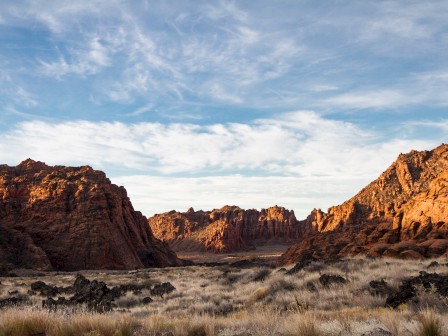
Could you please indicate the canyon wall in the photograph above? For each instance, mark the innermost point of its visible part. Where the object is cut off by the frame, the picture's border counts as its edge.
(225, 230)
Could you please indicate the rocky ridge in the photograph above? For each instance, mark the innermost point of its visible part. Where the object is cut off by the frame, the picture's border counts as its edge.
(225, 230)
(71, 218)
(403, 213)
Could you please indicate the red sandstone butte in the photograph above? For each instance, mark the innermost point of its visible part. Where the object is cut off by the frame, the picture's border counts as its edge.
(72, 218)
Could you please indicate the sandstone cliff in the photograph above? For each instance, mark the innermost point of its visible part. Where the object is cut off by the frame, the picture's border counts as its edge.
(68, 218)
(225, 230)
(403, 213)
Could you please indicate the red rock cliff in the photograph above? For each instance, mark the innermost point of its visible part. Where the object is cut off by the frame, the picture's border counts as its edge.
(403, 213)
(68, 218)
(224, 230)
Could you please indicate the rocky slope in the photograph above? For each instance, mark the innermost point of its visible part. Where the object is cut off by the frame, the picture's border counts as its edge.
(225, 230)
(67, 218)
(403, 213)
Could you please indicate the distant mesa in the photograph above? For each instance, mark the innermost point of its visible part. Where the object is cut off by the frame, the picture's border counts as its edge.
(72, 218)
(227, 229)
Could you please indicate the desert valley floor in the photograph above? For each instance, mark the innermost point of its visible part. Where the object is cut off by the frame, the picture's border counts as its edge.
(360, 296)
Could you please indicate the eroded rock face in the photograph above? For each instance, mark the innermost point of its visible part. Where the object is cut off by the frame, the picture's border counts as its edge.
(224, 230)
(71, 218)
(403, 213)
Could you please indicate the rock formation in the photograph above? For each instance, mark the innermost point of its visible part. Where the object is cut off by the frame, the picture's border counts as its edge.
(68, 218)
(403, 213)
(225, 230)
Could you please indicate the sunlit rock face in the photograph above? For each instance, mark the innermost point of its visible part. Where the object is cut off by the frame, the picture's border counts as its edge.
(403, 213)
(227, 229)
(71, 218)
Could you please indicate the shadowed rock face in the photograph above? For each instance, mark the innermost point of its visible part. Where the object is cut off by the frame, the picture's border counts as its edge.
(68, 218)
(224, 230)
(403, 213)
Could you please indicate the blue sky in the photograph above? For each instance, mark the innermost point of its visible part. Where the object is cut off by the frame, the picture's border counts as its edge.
(206, 103)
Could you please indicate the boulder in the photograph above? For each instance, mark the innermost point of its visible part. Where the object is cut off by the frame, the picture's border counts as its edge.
(162, 289)
(408, 288)
(328, 280)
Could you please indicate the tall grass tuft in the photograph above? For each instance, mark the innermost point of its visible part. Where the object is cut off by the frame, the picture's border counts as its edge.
(27, 323)
(302, 324)
(430, 323)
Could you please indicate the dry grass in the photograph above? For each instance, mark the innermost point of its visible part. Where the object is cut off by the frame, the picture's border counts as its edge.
(28, 321)
(226, 301)
(430, 323)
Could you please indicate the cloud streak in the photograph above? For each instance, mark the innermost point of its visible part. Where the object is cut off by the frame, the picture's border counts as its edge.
(236, 54)
(293, 144)
(101, 82)
(87, 61)
(303, 152)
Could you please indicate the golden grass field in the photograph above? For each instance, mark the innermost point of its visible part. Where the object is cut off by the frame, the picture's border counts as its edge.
(227, 301)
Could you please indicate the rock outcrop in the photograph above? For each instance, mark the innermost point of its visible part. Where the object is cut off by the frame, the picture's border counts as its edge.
(403, 213)
(67, 218)
(225, 230)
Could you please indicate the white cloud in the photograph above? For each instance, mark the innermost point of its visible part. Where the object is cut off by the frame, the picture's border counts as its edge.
(156, 194)
(372, 99)
(85, 61)
(218, 92)
(220, 63)
(225, 9)
(396, 26)
(284, 160)
(25, 97)
(293, 144)
(174, 51)
(141, 110)
(418, 125)
(19, 96)
(60, 16)
(439, 76)
(323, 88)
(248, 36)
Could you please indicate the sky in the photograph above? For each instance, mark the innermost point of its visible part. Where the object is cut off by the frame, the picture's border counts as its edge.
(206, 103)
